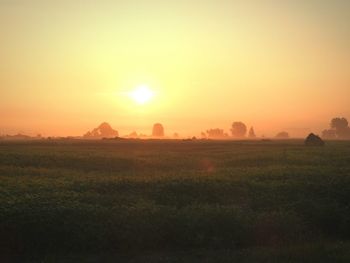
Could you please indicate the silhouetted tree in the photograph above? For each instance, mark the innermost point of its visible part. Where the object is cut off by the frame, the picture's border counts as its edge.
(282, 135)
(339, 123)
(216, 133)
(106, 130)
(239, 129)
(158, 130)
(133, 135)
(341, 127)
(203, 135)
(103, 131)
(251, 133)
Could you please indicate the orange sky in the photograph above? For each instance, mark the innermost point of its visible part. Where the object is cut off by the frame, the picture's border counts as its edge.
(65, 66)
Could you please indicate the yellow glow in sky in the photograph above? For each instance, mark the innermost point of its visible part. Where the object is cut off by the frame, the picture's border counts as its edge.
(276, 65)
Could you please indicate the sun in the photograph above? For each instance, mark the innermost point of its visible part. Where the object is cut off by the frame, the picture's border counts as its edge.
(141, 94)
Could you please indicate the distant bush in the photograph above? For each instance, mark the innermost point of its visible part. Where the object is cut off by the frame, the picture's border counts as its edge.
(216, 134)
(313, 140)
(282, 135)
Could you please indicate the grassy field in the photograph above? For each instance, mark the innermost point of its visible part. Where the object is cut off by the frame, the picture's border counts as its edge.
(174, 201)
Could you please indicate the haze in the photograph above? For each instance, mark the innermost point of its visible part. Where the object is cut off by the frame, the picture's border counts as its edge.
(277, 65)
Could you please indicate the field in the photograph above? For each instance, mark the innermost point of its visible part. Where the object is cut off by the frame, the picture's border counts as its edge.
(174, 201)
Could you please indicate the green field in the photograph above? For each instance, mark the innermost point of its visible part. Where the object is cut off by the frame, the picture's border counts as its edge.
(174, 201)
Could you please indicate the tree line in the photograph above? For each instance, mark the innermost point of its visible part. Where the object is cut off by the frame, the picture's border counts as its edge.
(339, 129)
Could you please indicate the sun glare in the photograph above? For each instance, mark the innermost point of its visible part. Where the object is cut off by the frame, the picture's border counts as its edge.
(142, 94)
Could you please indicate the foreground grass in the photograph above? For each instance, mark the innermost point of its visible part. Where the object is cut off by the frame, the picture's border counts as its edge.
(215, 200)
(316, 252)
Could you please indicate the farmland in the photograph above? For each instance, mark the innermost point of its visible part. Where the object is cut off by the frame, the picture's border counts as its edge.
(174, 201)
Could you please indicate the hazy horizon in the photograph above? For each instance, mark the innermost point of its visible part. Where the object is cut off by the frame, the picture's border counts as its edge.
(67, 66)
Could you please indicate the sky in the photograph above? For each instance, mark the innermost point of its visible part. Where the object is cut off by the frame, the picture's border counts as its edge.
(66, 66)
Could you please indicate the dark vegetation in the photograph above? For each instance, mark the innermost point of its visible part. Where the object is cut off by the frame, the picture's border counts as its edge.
(313, 140)
(104, 130)
(175, 201)
(282, 135)
(216, 134)
(339, 129)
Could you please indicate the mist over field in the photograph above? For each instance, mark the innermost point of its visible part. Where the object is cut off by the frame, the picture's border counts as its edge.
(174, 131)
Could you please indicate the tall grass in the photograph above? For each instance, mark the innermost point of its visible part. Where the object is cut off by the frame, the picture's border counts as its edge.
(93, 197)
